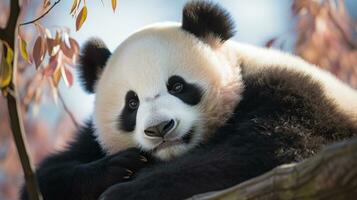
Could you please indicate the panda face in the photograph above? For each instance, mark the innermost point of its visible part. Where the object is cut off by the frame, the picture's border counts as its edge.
(161, 90)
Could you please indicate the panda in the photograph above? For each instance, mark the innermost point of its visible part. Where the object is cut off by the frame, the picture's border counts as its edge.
(180, 109)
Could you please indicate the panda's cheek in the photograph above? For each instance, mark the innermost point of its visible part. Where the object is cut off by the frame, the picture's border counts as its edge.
(127, 120)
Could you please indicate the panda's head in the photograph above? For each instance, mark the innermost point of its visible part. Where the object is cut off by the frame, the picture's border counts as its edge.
(167, 87)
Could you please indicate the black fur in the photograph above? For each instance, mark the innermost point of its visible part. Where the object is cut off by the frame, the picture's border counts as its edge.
(282, 118)
(84, 171)
(190, 94)
(204, 18)
(127, 118)
(93, 58)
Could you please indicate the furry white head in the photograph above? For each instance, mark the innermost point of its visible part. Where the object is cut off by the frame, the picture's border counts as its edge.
(165, 89)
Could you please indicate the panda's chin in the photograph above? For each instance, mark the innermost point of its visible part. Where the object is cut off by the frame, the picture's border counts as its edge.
(168, 150)
(171, 152)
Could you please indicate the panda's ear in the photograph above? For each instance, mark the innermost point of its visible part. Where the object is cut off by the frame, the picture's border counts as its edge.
(93, 57)
(207, 21)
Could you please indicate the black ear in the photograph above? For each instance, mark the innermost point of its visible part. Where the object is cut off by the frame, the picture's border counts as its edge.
(207, 19)
(93, 58)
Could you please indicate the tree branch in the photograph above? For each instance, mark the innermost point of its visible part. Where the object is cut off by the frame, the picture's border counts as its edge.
(66, 109)
(8, 35)
(40, 17)
(332, 174)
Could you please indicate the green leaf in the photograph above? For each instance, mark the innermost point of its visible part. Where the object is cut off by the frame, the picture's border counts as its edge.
(9, 55)
(5, 70)
(23, 49)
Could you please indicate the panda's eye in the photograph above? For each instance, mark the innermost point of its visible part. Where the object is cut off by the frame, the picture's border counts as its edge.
(132, 100)
(189, 93)
(133, 104)
(176, 88)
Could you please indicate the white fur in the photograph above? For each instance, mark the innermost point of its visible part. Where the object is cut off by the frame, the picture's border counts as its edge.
(143, 63)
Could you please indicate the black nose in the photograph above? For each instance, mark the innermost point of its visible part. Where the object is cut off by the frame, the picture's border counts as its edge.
(160, 130)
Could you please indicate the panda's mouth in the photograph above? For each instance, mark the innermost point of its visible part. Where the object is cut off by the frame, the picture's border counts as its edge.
(186, 139)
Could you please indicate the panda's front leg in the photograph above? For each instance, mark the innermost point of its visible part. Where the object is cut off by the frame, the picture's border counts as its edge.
(103, 173)
(67, 177)
(206, 169)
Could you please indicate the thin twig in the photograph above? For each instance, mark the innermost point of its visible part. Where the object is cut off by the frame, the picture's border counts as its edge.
(40, 17)
(66, 109)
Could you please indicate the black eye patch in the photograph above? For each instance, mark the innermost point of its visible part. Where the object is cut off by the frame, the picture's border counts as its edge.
(189, 93)
(127, 118)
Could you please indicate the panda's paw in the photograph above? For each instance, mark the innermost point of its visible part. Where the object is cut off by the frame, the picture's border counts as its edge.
(124, 165)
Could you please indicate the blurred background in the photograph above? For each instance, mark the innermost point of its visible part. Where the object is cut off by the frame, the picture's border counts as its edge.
(322, 31)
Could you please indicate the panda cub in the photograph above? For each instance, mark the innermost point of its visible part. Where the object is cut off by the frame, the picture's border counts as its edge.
(180, 109)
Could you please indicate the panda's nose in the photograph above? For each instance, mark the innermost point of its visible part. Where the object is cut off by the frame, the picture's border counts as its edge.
(160, 129)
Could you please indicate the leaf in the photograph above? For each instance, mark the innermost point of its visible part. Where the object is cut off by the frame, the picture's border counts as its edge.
(74, 45)
(52, 47)
(67, 76)
(68, 52)
(23, 49)
(38, 51)
(9, 54)
(82, 16)
(56, 76)
(46, 3)
(51, 67)
(5, 72)
(114, 4)
(74, 7)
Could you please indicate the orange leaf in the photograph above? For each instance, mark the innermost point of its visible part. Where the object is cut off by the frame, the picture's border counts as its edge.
(56, 76)
(114, 4)
(38, 52)
(82, 16)
(74, 6)
(23, 49)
